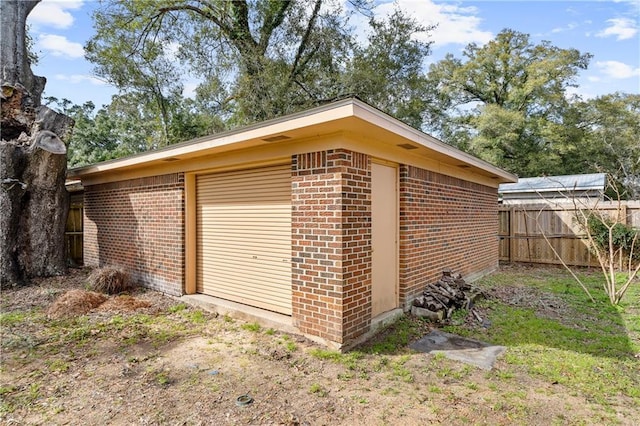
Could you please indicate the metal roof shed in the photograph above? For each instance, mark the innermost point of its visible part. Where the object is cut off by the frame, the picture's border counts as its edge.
(533, 189)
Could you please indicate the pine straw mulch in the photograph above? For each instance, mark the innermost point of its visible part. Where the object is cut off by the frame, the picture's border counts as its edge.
(81, 302)
(75, 303)
(65, 296)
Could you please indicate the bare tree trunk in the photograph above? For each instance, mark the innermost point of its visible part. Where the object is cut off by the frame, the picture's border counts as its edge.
(33, 162)
(15, 60)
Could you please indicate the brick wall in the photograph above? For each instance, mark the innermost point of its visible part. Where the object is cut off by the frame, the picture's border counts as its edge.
(445, 222)
(138, 224)
(331, 244)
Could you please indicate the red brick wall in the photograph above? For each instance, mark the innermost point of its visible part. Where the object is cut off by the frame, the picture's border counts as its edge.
(138, 224)
(331, 244)
(445, 222)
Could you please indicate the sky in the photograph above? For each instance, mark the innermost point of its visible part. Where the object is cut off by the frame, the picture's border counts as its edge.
(609, 30)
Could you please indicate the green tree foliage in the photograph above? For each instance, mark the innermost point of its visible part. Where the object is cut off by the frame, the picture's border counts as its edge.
(506, 101)
(98, 135)
(387, 71)
(253, 60)
(611, 128)
(251, 56)
(256, 60)
(123, 128)
(623, 237)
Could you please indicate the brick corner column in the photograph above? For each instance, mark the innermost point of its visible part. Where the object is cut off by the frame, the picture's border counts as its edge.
(331, 244)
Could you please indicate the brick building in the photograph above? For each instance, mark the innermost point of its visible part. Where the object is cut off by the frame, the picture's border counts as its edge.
(334, 218)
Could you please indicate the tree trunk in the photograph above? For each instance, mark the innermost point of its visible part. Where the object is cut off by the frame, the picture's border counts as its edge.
(13, 36)
(33, 164)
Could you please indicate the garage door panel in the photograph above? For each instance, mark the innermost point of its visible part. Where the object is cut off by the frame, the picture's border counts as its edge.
(256, 290)
(233, 199)
(247, 239)
(231, 261)
(249, 276)
(266, 252)
(244, 236)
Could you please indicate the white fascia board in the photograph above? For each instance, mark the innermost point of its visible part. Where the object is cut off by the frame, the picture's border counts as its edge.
(314, 117)
(373, 115)
(261, 130)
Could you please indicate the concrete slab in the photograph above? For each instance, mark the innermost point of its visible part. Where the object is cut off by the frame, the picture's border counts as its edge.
(458, 348)
(240, 311)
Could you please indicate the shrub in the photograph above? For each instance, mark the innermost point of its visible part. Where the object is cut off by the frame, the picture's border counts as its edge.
(110, 280)
(624, 238)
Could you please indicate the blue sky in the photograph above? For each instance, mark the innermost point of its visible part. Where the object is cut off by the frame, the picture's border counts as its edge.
(609, 30)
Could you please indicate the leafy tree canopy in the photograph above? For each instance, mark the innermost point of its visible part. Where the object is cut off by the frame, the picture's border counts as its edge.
(505, 101)
(254, 59)
(611, 125)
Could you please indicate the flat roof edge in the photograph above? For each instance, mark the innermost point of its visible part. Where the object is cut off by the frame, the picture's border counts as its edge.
(434, 143)
(342, 109)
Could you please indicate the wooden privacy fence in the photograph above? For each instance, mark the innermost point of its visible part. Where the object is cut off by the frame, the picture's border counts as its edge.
(522, 228)
(74, 230)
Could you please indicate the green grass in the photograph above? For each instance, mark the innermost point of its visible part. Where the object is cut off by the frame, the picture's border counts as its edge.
(318, 389)
(178, 308)
(7, 319)
(400, 371)
(589, 348)
(563, 338)
(252, 326)
(395, 337)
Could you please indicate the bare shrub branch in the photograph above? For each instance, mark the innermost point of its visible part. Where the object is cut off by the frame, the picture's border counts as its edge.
(607, 236)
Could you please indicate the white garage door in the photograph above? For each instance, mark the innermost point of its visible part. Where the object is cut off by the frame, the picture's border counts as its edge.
(244, 236)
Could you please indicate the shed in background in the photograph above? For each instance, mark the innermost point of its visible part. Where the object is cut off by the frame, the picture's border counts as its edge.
(535, 189)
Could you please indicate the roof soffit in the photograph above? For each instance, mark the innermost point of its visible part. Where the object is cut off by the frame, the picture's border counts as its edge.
(349, 116)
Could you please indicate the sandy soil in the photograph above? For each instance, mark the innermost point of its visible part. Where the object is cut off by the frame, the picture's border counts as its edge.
(163, 364)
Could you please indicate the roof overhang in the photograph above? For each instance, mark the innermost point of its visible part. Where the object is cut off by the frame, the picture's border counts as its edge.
(349, 116)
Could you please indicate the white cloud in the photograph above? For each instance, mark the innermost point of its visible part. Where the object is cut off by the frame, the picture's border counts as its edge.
(568, 27)
(622, 28)
(455, 24)
(59, 46)
(54, 13)
(80, 78)
(617, 70)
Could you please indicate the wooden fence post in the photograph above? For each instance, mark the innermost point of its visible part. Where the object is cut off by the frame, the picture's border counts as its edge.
(512, 240)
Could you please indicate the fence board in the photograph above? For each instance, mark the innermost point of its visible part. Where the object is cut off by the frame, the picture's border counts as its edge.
(522, 227)
(73, 234)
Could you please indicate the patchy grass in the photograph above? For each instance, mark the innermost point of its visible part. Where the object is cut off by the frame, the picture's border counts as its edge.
(588, 347)
(251, 326)
(318, 390)
(395, 337)
(568, 362)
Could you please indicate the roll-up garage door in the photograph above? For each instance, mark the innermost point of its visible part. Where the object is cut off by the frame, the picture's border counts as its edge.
(244, 236)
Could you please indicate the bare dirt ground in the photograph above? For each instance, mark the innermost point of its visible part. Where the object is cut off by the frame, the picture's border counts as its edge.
(165, 363)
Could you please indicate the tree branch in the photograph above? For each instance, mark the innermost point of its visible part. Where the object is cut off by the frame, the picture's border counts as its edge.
(271, 22)
(305, 39)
